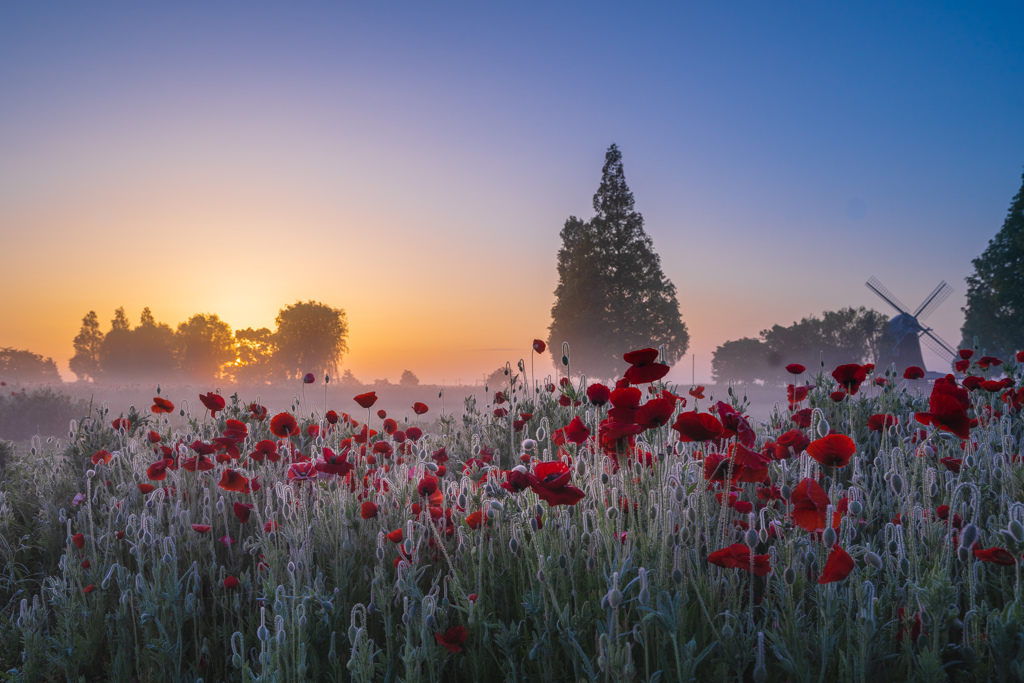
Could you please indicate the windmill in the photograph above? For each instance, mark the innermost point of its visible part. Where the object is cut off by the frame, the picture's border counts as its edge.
(906, 330)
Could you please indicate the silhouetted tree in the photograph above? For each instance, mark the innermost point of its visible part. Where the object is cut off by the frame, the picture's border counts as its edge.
(849, 335)
(612, 295)
(140, 355)
(349, 380)
(17, 365)
(254, 356)
(120, 321)
(86, 361)
(204, 345)
(409, 379)
(311, 337)
(995, 291)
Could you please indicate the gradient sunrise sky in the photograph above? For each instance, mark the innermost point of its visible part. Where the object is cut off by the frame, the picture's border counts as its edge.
(413, 163)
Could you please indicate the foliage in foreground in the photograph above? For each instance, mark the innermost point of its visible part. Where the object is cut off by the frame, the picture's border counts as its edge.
(341, 551)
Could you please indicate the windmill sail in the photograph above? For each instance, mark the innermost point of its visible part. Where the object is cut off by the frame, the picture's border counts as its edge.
(905, 331)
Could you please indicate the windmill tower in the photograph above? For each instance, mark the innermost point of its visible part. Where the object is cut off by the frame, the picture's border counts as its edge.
(907, 332)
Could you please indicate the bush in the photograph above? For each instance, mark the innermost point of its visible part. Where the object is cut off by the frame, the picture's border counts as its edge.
(45, 412)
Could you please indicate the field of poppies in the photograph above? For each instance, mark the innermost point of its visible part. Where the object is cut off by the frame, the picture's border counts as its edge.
(563, 530)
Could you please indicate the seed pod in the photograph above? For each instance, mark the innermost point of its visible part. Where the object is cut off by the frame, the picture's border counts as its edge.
(828, 537)
(614, 598)
(1016, 530)
(727, 632)
(680, 494)
(968, 536)
(873, 560)
(789, 576)
(750, 538)
(823, 428)
(856, 508)
(786, 491)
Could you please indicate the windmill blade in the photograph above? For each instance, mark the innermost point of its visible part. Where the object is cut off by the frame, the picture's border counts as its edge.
(878, 288)
(934, 299)
(938, 344)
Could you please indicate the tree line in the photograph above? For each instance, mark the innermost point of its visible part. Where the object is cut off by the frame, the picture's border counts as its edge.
(309, 337)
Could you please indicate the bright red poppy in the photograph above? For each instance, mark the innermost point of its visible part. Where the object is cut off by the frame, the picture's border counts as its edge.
(850, 376)
(264, 449)
(103, 456)
(475, 519)
(999, 556)
(230, 582)
(539, 346)
(453, 638)
(419, 408)
(242, 511)
(598, 394)
(158, 470)
(947, 408)
(231, 480)
(284, 425)
(834, 450)
(694, 426)
(550, 481)
(414, 433)
(78, 540)
(161, 405)
(146, 489)
(213, 402)
(837, 567)
(576, 432)
(795, 368)
(427, 485)
(121, 423)
(368, 510)
(810, 505)
(308, 378)
(655, 413)
(738, 556)
(201, 528)
(395, 536)
(366, 400)
(644, 366)
(913, 372)
(877, 423)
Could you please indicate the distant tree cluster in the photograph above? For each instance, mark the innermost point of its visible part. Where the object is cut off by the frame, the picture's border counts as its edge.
(20, 366)
(850, 335)
(995, 291)
(310, 337)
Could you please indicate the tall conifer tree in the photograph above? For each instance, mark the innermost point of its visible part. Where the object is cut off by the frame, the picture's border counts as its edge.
(612, 296)
(86, 361)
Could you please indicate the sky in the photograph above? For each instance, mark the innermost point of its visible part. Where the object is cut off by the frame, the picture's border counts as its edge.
(413, 163)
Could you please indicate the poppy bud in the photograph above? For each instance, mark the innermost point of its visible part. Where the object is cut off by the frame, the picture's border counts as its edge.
(905, 565)
(823, 428)
(789, 576)
(968, 536)
(829, 537)
(786, 491)
(727, 632)
(897, 484)
(1016, 530)
(614, 598)
(750, 538)
(856, 508)
(513, 545)
(677, 576)
(873, 560)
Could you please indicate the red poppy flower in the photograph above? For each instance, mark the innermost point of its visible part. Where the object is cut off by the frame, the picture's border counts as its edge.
(947, 408)
(793, 442)
(598, 394)
(270, 526)
(453, 638)
(655, 413)
(213, 402)
(999, 556)
(395, 536)
(913, 372)
(368, 510)
(696, 392)
(264, 449)
(838, 396)
(576, 432)
(89, 589)
(802, 418)
(78, 540)
(833, 450)
(158, 470)
(735, 424)
(121, 423)
(231, 480)
(258, 412)
(877, 423)
(427, 485)
(153, 436)
(795, 394)
(1020, 356)
(419, 408)
(810, 505)
(965, 354)
(952, 464)
(103, 456)
(284, 425)
(748, 465)
(694, 426)
(308, 378)
(539, 346)
(366, 400)
(850, 376)
(737, 556)
(230, 582)
(146, 489)
(161, 405)
(414, 433)
(550, 481)
(201, 528)
(795, 368)
(236, 429)
(301, 471)
(242, 511)
(644, 367)
(516, 480)
(837, 567)
(475, 519)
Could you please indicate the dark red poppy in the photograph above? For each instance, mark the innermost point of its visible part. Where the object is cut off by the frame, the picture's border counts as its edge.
(242, 511)
(301, 471)
(331, 417)
(735, 424)
(737, 556)
(121, 423)
(231, 480)
(366, 400)
(414, 433)
(655, 413)
(539, 346)
(89, 589)
(837, 567)
(795, 394)
(913, 372)
(284, 425)
(696, 392)
(598, 394)
(965, 354)
(877, 423)
(952, 464)
(550, 481)
(258, 412)
(834, 450)
(201, 528)
(694, 426)
(947, 408)
(230, 582)
(795, 368)
(395, 536)
(452, 639)
(213, 402)
(793, 442)
(146, 488)
(1000, 556)
(427, 485)
(838, 396)
(161, 405)
(576, 432)
(516, 480)
(158, 470)
(850, 376)
(419, 408)
(802, 418)
(264, 449)
(810, 505)
(368, 510)
(644, 366)
(78, 540)
(748, 465)
(334, 463)
(475, 519)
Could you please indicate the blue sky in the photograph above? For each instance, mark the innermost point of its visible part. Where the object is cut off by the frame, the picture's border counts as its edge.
(413, 164)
